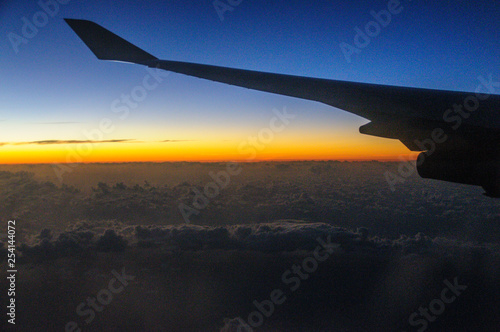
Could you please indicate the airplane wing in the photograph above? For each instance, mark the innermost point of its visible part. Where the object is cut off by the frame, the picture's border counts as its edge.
(459, 131)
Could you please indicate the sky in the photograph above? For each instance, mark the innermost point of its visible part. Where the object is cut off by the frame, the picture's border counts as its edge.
(58, 103)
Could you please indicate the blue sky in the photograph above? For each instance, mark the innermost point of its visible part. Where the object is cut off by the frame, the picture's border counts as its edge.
(53, 87)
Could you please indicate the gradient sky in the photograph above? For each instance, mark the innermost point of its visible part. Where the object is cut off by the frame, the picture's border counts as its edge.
(53, 89)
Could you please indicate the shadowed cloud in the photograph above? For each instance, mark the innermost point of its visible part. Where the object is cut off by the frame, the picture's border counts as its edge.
(50, 142)
(55, 142)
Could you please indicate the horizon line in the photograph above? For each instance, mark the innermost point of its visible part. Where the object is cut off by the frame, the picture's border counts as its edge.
(210, 161)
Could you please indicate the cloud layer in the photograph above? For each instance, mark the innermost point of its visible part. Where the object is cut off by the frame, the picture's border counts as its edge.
(210, 277)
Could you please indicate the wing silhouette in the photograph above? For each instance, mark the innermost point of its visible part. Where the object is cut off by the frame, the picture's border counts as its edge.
(458, 131)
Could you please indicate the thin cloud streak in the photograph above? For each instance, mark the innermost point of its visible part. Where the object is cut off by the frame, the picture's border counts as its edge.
(57, 123)
(54, 142)
(176, 141)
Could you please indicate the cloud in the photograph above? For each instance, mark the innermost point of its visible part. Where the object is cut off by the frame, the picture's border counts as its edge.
(266, 238)
(390, 278)
(48, 142)
(82, 236)
(175, 140)
(279, 236)
(57, 123)
(54, 142)
(110, 241)
(66, 244)
(286, 236)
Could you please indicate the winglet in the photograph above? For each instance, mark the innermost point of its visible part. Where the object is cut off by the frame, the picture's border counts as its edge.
(106, 45)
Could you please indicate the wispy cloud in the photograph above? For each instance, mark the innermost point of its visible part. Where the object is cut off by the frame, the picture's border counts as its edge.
(55, 142)
(47, 142)
(52, 142)
(56, 123)
(175, 140)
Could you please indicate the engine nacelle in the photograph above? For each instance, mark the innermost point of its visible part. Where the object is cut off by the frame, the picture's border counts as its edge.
(462, 167)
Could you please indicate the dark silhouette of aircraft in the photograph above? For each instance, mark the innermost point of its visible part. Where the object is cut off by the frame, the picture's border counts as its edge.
(458, 132)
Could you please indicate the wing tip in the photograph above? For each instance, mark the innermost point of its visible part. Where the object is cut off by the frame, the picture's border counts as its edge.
(105, 44)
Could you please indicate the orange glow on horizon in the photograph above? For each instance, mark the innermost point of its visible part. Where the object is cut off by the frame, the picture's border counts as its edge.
(203, 152)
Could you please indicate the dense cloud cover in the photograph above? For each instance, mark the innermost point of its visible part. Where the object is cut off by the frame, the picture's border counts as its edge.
(276, 237)
(328, 244)
(342, 194)
(209, 277)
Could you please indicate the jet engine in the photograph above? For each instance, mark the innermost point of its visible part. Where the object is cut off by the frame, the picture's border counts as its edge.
(467, 167)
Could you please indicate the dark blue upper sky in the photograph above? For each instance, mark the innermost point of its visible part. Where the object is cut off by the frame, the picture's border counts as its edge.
(54, 78)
